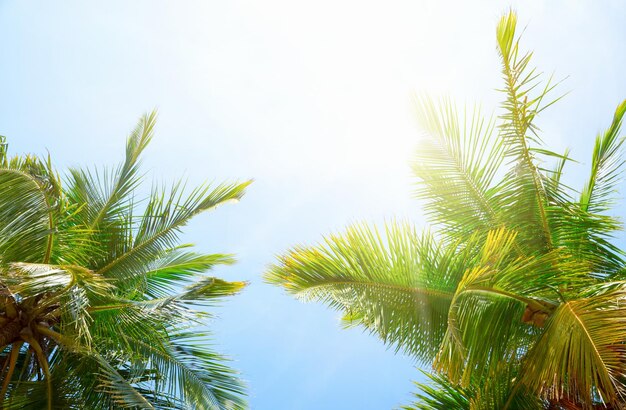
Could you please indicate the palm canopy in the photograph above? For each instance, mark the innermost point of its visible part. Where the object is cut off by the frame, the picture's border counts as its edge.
(516, 296)
(98, 298)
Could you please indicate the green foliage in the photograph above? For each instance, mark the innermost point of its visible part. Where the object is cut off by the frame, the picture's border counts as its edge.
(354, 269)
(97, 295)
(517, 298)
(494, 393)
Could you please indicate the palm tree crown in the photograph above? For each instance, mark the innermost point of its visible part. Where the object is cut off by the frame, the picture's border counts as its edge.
(97, 295)
(517, 295)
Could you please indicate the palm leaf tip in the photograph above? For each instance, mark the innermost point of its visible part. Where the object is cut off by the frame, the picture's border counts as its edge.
(140, 137)
(213, 288)
(505, 33)
(228, 192)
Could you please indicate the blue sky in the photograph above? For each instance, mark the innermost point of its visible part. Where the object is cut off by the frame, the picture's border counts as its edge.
(312, 100)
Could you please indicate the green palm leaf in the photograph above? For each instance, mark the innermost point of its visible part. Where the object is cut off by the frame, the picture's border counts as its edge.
(606, 167)
(397, 286)
(165, 215)
(105, 194)
(456, 165)
(581, 353)
(26, 223)
(440, 394)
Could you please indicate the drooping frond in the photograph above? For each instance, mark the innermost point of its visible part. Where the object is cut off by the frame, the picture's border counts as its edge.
(189, 366)
(500, 295)
(440, 394)
(26, 223)
(499, 390)
(29, 279)
(581, 353)
(398, 286)
(119, 390)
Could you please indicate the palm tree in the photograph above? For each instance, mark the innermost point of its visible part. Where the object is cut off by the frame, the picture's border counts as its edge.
(517, 296)
(97, 296)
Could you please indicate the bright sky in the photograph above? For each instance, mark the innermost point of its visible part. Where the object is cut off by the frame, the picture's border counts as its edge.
(312, 100)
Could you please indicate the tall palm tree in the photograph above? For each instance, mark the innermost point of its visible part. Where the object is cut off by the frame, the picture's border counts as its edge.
(98, 299)
(517, 296)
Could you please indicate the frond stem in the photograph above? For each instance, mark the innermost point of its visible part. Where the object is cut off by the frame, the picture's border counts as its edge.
(542, 306)
(521, 126)
(408, 289)
(15, 352)
(43, 363)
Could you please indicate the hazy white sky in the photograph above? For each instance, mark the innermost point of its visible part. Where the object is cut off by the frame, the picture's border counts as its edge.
(312, 99)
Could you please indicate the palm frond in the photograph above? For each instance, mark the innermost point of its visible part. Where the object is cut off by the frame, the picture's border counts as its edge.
(398, 286)
(440, 394)
(456, 165)
(523, 197)
(496, 391)
(117, 388)
(581, 353)
(498, 297)
(189, 368)
(26, 223)
(105, 194)
(177, 268)
(606, 166)
(166, 213)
